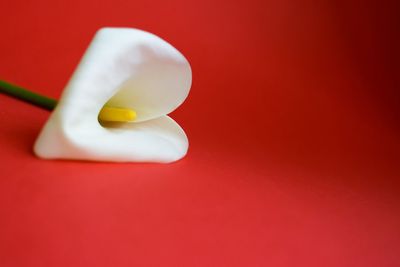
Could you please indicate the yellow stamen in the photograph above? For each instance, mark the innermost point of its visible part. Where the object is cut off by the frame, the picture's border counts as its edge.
(117, 114)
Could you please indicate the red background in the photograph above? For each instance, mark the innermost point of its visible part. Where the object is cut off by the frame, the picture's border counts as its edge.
(293, 121)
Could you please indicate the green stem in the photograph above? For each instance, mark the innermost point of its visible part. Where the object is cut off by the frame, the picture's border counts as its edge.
(27, 96)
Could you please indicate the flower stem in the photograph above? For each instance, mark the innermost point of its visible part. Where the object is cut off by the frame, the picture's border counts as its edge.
(27, 96)
(106, 113)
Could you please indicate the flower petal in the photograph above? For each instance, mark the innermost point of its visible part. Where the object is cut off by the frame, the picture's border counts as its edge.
(125, 68)
(133, 69)
(157, 140)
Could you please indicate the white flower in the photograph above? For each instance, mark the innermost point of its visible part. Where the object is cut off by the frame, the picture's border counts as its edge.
(125, 68)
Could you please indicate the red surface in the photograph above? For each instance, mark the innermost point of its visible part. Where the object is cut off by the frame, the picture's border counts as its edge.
(293, 121)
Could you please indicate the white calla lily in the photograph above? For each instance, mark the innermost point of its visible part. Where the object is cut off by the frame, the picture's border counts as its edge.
(123, 68)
